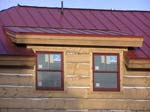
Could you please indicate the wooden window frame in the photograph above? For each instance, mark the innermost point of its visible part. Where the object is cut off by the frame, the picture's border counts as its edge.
(117, 72)
(48, 70)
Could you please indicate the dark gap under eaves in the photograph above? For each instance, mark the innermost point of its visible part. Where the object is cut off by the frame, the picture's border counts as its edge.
(137, 69)
(15, 67)
(55, 45)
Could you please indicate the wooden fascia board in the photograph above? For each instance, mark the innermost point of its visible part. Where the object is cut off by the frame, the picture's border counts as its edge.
(137, 63)
(114, 41)
(17, 61)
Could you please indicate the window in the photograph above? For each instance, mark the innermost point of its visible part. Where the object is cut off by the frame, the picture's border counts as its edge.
(49, 71)
(106, 72)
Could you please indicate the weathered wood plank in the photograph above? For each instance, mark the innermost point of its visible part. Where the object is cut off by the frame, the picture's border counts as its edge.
(78, 81)
(31, 110)
(77, 69)
(17, 61)
(17, 70)
(29, 92)
(16, 80)
(128, 104)
(137, 73)
(74, 92)
(118, 104)
(136, 81)
(31, 103)
(76, 58)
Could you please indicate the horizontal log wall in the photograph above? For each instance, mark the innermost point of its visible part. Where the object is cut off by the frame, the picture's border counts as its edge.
(18, 93)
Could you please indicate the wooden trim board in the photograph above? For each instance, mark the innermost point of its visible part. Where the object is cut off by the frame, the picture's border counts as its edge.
(116, 41)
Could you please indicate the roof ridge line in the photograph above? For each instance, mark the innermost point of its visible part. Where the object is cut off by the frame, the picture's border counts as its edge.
(85, 8)
(116, 10)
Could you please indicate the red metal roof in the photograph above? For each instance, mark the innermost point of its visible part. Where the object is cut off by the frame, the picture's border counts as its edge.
(135, 23)
(68, 31)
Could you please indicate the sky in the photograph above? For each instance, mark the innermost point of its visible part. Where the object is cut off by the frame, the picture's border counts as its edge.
(88, 4)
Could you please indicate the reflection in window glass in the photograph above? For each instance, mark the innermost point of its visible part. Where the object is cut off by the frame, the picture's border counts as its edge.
(49, 71)
(105, 63)
(55, 61)
(49, 79)
(43, 61)
(105, 80)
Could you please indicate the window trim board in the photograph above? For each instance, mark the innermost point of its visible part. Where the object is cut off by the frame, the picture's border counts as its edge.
(118, 72)
(62, 71)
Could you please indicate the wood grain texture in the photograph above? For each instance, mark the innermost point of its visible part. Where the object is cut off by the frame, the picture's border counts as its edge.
(78, 89)
(77, 40)
(76, 103)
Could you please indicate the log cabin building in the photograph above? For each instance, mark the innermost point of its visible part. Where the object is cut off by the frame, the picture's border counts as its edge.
(54, 60)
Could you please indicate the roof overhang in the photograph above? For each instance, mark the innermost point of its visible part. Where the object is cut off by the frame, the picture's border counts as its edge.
(135, 63)
(73, 37)
(49, 36)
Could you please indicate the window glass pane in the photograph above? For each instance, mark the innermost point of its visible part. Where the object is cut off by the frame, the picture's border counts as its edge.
(43, 61)
(49, 79)
(55, 61)
(105, 63)
(105, 80)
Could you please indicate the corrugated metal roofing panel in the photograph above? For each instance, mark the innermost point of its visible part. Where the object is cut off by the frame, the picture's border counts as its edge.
(2, 45)
(46, 17)
(129, 22)
(138, 23)
(54, 23)
(44, 30)
(142, 19)
(146, 41)
(104, 20)
(117, 22)
(72, 19)
(77, 21)
(61, 18)
(145, 21)
(94, 20)
(87, 21)
(100, 23)
(30, 29)
(146, 49)
(122, 19)
(18, 29)
(69, 30)
(5, 19)
(15, 17)
(108, 20)
(2, 39)
(66, 31)
(140, 53)
(2, 50)
(146, 14)
(36, 17)
(81, 19)
(43, 17)
(28, 21)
